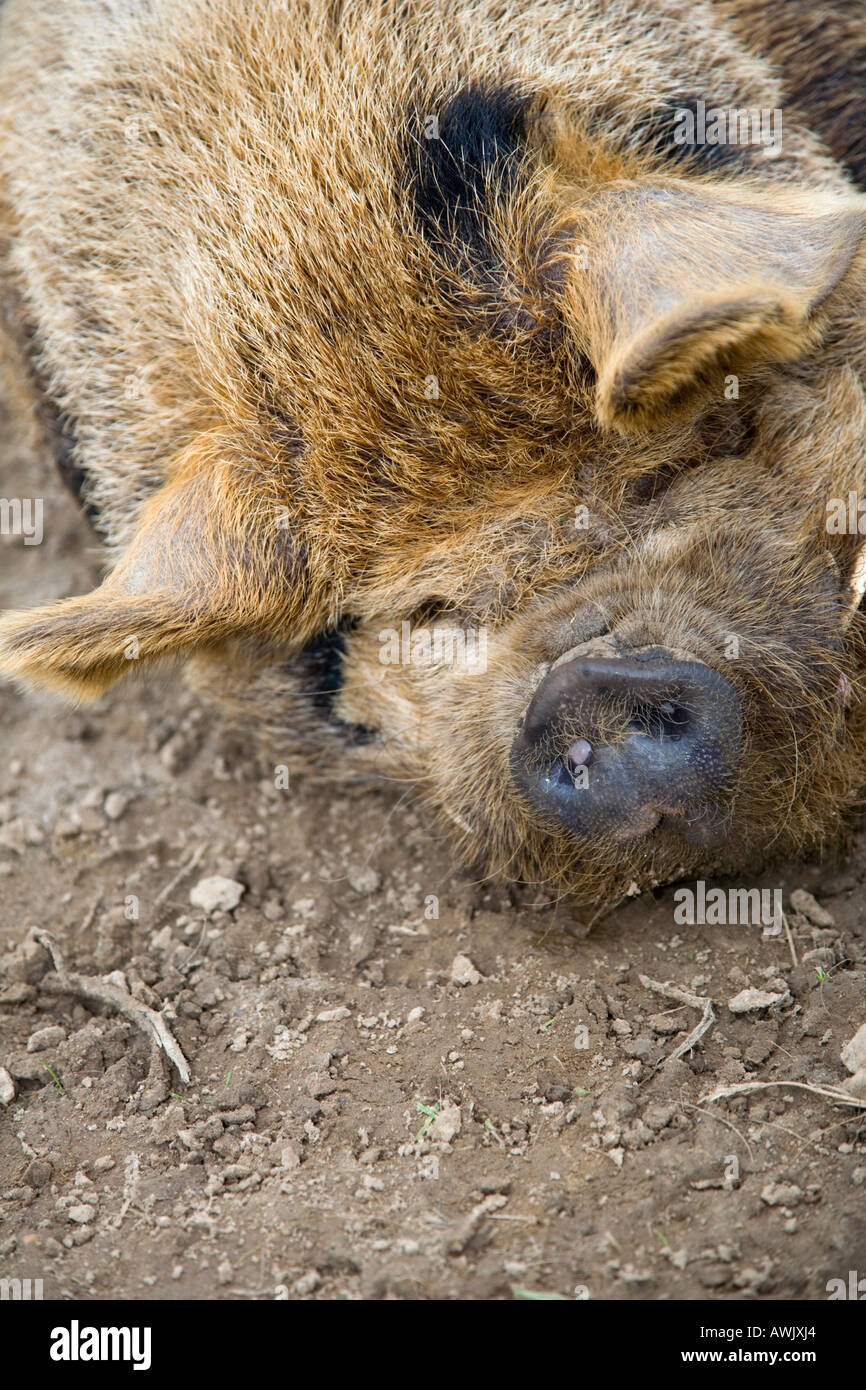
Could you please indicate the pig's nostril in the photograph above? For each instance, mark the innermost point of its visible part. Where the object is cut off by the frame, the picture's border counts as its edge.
(661, 721)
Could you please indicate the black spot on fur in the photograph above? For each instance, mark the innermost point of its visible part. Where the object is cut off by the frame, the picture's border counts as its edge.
(819, 51)
(57, 427)
(658, 131)
(62, 443)
(833, 102)
(322, 663)
(461, 155)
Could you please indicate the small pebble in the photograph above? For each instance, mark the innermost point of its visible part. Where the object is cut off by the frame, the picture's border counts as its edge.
(781, 1194)
(38, 1172)
(216, 894)
(334, 1015)
(7, 1087)
(446, 1126)
(81, 1214)
(802, 901)
(365, 881)
(463, 972)
(289, 1157)
(853, 1054)
(45, 1038)
(750, 1000)
(116, 804)
(308, 1283)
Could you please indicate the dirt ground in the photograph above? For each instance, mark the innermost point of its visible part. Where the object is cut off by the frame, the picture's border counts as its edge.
(384, 1103)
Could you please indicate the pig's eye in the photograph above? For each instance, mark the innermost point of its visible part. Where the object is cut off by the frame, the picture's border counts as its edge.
(727, 431)
(723, 432)
(321, 669)
(649, 487)
(426, 612)
(652, 485)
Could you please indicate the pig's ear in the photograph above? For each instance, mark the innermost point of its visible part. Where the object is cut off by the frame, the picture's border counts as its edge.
(212, 557)
(675, 286)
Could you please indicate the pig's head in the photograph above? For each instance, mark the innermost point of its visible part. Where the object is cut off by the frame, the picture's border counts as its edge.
(585, 442)
(687, 701)
(652, 666)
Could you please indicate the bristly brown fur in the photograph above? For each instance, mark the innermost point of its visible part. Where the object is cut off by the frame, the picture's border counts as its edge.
(347, 310)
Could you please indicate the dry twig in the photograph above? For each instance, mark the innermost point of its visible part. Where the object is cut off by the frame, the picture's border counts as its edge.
(113, 997)
(181, 874)
(695, 1001)
(743, 1087)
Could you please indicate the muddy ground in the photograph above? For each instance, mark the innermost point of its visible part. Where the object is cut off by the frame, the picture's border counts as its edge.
(383, 1103)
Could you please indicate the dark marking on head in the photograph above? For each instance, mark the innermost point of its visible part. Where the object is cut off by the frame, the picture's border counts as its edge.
(662, 133)
(659, 132)
(831, 99)
(321, 663)
(819, 51)
(458, 155)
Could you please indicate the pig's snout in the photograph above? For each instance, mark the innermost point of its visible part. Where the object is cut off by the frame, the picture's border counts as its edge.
(616, 746)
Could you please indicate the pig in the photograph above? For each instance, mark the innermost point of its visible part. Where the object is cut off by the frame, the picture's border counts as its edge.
(469, 396)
